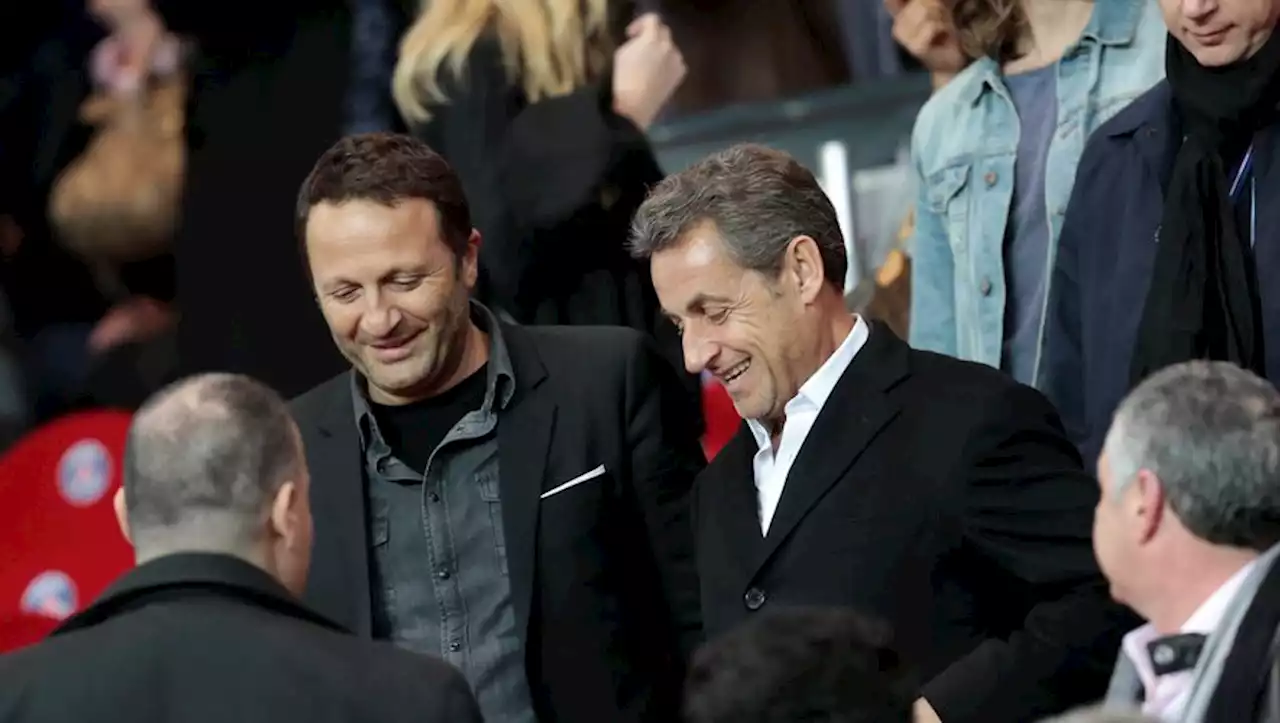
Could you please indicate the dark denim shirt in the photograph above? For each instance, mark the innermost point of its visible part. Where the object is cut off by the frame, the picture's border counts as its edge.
(439, 556)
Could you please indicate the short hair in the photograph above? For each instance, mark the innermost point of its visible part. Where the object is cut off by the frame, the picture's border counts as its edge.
(1210, 431)
(212, 446)
(1100, 714)
(758, 198)
(386, 168)
(824, 665)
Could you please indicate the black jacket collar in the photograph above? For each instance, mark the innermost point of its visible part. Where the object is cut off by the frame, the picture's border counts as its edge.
(195, 574)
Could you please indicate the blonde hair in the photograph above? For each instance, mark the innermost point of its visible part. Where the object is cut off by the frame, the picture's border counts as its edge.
(551, 47)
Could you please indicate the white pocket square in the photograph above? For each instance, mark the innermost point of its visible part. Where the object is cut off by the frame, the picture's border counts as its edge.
(585, 477)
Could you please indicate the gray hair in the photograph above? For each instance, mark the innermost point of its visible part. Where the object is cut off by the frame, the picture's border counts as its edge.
(204, 458)
(1210, 432)
(1100, 714)
(758, 198)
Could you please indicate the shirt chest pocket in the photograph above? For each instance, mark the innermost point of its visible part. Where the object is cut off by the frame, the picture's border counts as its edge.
(491, 495)
(947, 193)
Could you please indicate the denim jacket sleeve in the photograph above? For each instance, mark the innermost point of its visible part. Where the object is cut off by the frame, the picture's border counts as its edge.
(933, 309)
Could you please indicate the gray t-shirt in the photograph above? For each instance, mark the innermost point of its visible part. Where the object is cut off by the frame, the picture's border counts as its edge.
(1026, 244)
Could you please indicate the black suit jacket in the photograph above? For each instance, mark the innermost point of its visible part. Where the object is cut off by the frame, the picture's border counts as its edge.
(200, 637)
(943, 497)
(602, 574)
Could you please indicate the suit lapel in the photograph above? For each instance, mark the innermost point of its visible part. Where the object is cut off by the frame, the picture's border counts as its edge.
(339, 584)
(736, 502)
(855, 413)
(525, 429)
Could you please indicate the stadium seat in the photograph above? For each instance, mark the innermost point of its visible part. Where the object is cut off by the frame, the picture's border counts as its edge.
(59, 542)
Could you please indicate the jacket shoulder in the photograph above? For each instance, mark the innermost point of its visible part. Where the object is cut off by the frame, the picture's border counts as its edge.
(578, 347)
(936, 123)
(313, 401)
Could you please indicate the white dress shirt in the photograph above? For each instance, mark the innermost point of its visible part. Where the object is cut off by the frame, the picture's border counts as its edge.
(1166, 695)
(771, 468)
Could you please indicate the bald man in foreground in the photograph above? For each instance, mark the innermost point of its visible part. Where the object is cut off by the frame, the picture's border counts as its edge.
(207, 627)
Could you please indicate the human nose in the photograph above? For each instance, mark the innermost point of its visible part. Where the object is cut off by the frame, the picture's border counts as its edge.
(379, 320)
(698, 351)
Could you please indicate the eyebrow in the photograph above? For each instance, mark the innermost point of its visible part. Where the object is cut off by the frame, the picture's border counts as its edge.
(699, 302)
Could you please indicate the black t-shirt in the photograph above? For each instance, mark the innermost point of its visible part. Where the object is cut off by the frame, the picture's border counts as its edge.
(413, 431)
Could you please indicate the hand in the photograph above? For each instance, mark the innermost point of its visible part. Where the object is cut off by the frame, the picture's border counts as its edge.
(132, 320)
(647, 69)
(924, 29)
(925, 713)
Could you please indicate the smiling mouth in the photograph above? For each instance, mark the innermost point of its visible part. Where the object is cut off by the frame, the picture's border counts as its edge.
(394, 343)
(735, 371)
(1209, 37)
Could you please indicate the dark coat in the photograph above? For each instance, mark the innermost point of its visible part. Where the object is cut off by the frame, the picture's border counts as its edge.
(199, 637)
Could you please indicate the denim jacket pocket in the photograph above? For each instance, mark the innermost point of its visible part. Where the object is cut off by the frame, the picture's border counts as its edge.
(947, 200)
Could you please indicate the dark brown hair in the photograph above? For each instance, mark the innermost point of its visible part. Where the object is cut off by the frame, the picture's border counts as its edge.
(800, 664)
(386, 168)
(759, 200)
(988, 28)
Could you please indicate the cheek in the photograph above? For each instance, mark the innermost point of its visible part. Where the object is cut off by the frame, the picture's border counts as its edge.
(343, 321)
(430, 305)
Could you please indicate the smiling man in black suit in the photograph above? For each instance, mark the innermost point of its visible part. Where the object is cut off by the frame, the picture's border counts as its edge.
(513, 499)
(937, 494)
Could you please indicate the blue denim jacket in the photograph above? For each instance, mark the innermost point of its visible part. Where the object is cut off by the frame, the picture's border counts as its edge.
(963, 148)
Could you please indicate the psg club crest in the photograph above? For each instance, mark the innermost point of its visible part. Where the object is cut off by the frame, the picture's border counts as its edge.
(51, 594)
(84, 472)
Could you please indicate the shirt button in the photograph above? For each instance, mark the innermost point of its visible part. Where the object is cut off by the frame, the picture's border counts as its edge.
(985, 287)
(754, 599)
(433, 497)
(455, 646)
(443, 574)
(990, 178)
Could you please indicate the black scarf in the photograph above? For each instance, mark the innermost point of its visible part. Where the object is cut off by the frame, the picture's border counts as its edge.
(1203, 300)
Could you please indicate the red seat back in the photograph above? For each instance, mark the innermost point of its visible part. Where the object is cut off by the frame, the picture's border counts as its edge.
(60, 545)
(721, 417)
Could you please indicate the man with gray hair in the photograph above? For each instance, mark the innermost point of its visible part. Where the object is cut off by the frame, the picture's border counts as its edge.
(938, 495)
(1186, 532)
(207, 627)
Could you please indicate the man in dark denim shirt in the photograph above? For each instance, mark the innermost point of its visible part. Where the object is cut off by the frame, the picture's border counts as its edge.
(439, 561)
(512, 499)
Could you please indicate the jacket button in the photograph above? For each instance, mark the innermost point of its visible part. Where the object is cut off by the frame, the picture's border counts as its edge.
(985, 287)
(990, 178)
(754, 599)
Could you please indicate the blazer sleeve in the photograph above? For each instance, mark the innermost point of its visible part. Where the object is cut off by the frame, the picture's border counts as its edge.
(1063, 372)
(1028, 511)
(535, 174)
(665, 459)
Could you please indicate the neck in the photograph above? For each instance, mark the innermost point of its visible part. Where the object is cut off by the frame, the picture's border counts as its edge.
(1052, 27)
(838, 323)
(254, 554)
(1186, 581)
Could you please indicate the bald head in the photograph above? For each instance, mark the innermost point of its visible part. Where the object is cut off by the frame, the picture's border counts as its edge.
(204, 461)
